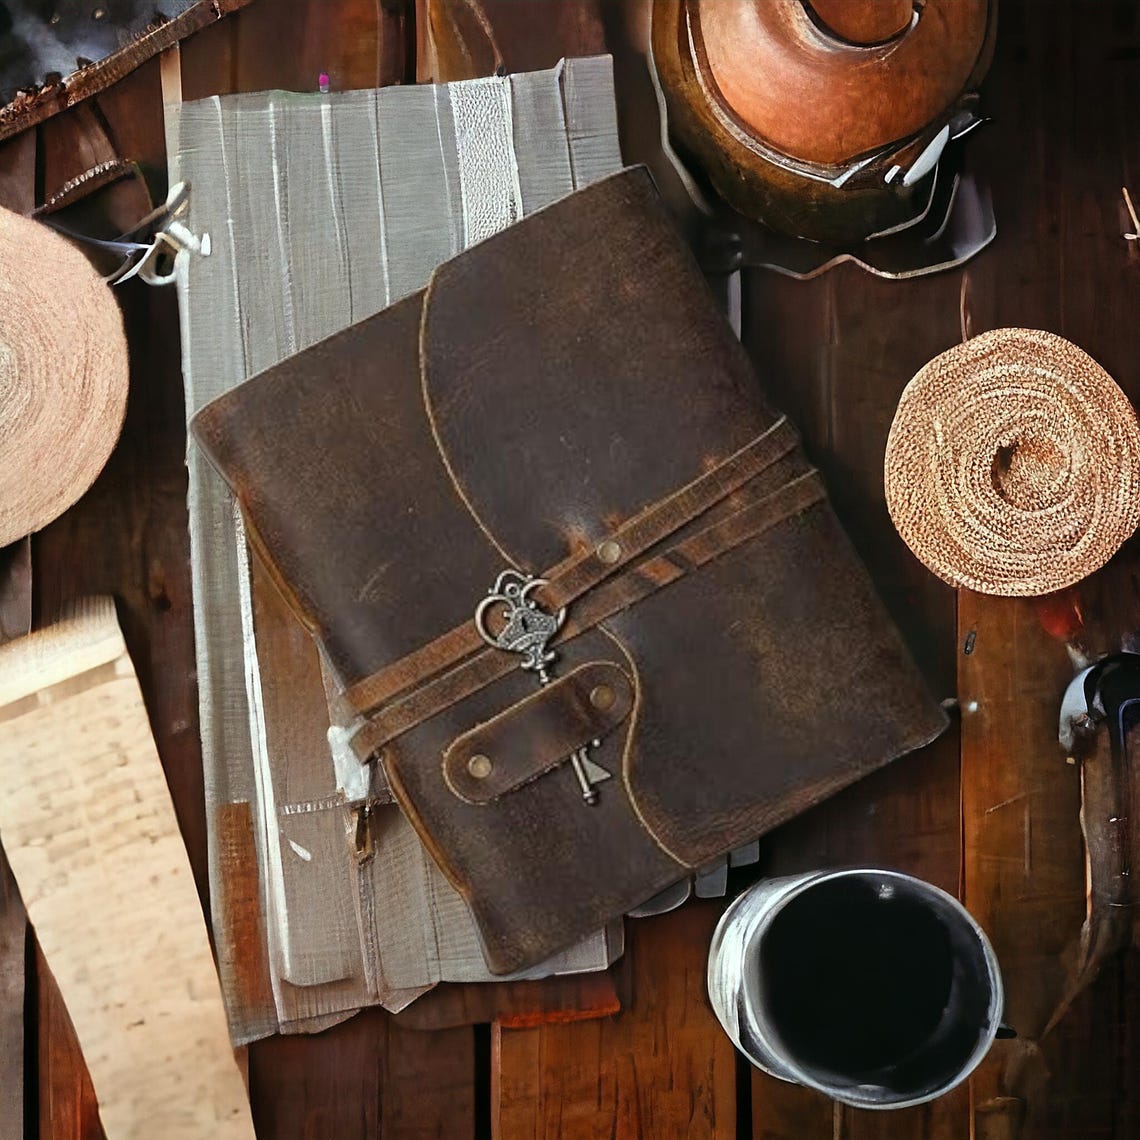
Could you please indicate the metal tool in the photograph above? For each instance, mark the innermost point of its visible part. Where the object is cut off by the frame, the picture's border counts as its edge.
(1103, 693)
(528, 630)
(1106, 693)
(146, 257)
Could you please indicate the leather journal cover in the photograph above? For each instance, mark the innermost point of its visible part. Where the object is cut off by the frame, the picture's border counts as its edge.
(576, 577)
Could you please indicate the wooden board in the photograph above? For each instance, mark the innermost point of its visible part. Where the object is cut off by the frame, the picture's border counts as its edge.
(124, 538)
(906, 816)
(1060, 263)
(13, 967)
(366, 1078)
(101, 867)
(660, 1068)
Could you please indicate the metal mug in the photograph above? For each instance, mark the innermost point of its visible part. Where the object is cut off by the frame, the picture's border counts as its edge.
(872, 986)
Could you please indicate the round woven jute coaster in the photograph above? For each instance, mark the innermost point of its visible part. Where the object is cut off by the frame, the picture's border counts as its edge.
(1013, 464)
(63, 375)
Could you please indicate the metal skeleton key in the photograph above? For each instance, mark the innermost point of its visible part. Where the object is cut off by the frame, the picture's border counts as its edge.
(528, 629)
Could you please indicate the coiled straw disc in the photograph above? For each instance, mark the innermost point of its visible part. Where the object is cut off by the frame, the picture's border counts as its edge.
(1013, 464)
(63, 375)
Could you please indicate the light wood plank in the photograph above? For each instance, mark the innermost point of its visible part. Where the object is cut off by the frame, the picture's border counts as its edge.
(96, 850)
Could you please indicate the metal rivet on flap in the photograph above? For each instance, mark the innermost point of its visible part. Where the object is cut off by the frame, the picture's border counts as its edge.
(480, 766)
(609, 552)
(602, 697)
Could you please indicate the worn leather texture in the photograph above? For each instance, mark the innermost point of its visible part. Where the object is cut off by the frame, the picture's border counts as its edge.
(550, 387)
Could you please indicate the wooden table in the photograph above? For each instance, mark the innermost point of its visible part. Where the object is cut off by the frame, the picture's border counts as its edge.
(989, 812)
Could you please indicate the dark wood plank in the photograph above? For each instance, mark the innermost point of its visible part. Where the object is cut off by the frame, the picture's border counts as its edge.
(1024, 864)
(208, 61)
(13, 971)
(67, 1106)
(536, 35)
(427, 1085)
(576, 997)
(835, 353)
(941, 1119)
(363, 1079)
(18, 173)
(127, 538)
(662, 1068)
(15, 621)
(781, 1111)
(1061, 146)
(288, 44)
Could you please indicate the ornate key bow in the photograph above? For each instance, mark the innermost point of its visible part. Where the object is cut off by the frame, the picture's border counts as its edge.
(528, 630)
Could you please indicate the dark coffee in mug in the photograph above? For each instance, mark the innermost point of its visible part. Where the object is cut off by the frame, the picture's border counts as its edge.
(861, 984)
(871, 985)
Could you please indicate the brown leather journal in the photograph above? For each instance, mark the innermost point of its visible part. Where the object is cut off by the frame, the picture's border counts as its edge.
(576, 577)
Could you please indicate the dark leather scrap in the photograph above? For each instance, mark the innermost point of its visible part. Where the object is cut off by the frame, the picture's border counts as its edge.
(553, 386)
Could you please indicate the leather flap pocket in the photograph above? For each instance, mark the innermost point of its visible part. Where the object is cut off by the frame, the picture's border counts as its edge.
(538, 733)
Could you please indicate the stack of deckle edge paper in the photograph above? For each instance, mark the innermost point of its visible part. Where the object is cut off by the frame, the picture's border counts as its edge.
(321, 210)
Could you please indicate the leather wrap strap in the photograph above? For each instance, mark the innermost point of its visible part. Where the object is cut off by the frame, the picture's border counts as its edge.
(759, 514)
(573, 577)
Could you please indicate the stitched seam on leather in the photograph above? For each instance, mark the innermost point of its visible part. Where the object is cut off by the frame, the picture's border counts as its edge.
(628, 749)
(460, 490)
